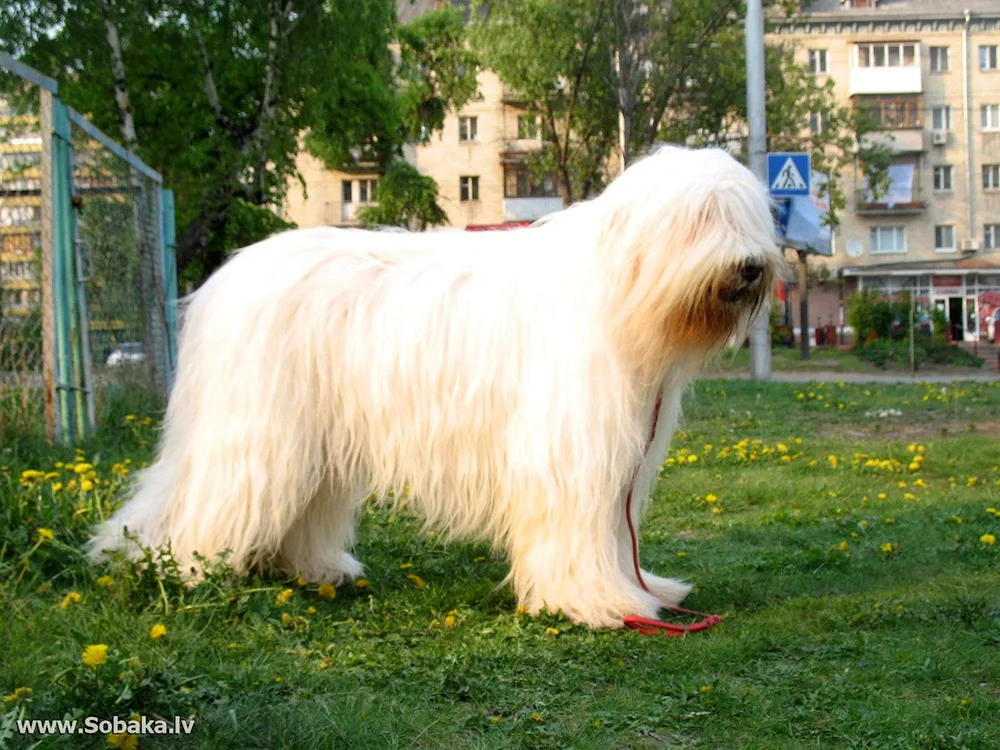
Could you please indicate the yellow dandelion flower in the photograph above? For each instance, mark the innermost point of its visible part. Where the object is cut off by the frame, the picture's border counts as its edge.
(988, 539)
(890, 521)
(130, 417)
(844, 546)
(406, 566)
(495, 719)
(45, 535)
(710, 498)
(552, 631)
(233, 646)
(909, 496)
(71, 598)
(57, 486)
(105, 581)
(83, 468)
(362, 583)
(327, 591)
(450, 621)
(965, 702)
(285, 596)
(537, 717)
(912, 447)
(157, 631)
(705, 689)
(692, 459)
(124, 741)
(21, 692)
(311, 611)
(95, 655)
(86, 485)
(882, 496)
(682, 554)
(300, 581)
(417, 581)
(919, 483)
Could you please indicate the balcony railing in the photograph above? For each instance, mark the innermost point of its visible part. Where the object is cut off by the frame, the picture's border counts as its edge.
(895, 203)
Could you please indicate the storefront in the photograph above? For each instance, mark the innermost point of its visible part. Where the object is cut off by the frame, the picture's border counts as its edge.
(967, 291)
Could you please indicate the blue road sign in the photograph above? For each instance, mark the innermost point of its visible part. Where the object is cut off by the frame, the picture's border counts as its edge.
(788, 174)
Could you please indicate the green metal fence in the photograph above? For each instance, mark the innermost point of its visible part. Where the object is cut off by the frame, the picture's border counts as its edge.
(88, 283)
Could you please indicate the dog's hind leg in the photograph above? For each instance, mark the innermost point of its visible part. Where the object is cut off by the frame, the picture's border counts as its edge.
(317, 543)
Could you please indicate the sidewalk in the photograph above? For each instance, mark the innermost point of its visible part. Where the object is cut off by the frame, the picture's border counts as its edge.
(922, 376)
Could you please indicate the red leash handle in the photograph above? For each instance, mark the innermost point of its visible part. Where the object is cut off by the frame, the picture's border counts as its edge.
(647, 625)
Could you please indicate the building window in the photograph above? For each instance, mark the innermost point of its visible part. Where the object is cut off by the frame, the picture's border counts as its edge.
(939, 59)
(345, 191)
(519, 183)
(527, 126)
(988, 57)
(894, 111)
(991, 176)
(817, 61)
(886, 55)
(941, 118)
(468, 188)
(468, 129)
(819, 122)
(942, 177)
(366, 190)
(989, 116)
(944, 238)
(888, 239)
(991, 236)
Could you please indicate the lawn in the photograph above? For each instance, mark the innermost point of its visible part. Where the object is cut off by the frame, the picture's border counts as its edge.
(847, 532)
(786, 359)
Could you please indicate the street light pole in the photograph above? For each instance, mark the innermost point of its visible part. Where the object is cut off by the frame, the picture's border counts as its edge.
(760, 333)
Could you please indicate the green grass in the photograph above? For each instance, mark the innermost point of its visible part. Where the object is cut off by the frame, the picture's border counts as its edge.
(860, 613)
(785, 359)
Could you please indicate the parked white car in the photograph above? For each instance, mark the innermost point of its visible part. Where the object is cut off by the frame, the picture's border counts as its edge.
(130, 351)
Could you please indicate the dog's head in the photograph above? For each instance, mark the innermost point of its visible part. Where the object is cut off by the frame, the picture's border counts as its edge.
(689, 243)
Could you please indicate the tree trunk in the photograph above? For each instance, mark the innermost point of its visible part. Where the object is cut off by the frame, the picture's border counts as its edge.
(120, 81)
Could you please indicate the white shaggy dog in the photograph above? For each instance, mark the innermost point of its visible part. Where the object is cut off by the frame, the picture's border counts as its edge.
(509, 378)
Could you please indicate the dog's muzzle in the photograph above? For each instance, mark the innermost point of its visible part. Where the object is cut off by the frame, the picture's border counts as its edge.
(745, 280)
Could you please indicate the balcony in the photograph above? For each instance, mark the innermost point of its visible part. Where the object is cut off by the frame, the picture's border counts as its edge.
(899, 141)
(897, 202)
(530, 209)
(899, 80)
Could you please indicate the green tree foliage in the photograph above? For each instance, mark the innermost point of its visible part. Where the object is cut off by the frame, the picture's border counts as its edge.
(668, 72)
(223, 94)
(405, 198)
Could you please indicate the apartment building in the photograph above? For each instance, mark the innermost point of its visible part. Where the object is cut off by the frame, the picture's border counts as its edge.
(20, 215)
(929, 70)
(477, 159)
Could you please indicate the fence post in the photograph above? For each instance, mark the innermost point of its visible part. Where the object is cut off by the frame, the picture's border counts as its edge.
(48, 283)
(62, 238)
(168, 262)
(72, 385)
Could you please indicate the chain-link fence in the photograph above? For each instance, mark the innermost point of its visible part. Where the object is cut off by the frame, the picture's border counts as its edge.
(87, 280)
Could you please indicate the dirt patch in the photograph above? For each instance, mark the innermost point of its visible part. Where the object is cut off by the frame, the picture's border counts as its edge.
(914, 432)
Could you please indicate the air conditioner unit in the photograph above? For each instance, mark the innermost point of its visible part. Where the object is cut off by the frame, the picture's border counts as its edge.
(939, 137)
(969, 243)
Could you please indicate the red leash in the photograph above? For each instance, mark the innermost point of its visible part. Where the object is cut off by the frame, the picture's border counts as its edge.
(646, 625)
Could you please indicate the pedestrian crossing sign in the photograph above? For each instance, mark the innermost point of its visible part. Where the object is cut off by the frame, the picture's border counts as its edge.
(788, 174)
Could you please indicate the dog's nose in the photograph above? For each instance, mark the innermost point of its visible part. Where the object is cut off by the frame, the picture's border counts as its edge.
(751, 270)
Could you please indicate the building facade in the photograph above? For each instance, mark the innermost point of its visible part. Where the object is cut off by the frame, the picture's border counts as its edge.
(928, 70)
(477, 160)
